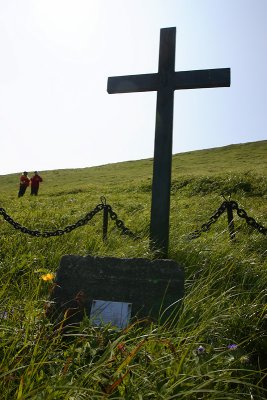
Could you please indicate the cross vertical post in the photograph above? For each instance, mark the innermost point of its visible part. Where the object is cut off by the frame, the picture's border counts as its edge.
(162, 164)
(165, 81)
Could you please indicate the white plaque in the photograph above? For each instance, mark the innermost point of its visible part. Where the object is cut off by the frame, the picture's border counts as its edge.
(110, 312)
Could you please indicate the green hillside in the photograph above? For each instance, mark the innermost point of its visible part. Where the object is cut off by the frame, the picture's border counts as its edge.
(217, 349)
(248, 158)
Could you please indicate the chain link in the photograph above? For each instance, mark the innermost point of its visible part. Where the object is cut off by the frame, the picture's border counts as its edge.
(240, 212)
(120, 223)
(206, 227)
(249, 220)
(57, 232)
(69, 228)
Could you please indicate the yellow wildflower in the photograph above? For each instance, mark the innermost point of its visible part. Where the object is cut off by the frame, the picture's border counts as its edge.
(48, 277)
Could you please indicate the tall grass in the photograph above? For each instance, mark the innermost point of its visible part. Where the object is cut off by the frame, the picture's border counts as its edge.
(216, 349)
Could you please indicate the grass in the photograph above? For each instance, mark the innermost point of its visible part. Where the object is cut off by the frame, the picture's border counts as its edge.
(225, 287)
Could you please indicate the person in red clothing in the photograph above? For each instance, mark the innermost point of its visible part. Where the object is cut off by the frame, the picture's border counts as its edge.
(23, 183)
(35, 181)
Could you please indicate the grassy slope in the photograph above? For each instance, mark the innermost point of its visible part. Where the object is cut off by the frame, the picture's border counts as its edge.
(225, 283)
(234, 158)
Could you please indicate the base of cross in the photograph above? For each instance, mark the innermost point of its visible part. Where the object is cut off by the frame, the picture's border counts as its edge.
(115, 291)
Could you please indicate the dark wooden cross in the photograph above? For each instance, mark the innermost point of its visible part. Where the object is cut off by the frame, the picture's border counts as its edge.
(165, 81)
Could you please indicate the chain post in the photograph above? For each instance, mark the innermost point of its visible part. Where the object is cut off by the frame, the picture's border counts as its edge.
(230, 217)
(105, 218)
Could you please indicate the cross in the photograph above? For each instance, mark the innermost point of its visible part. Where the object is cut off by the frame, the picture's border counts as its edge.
(165, 81)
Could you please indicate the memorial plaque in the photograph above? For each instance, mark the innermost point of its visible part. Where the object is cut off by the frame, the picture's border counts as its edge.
(110, 312)
(154, 288)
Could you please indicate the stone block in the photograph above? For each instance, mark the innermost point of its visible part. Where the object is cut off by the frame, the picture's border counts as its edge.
(150, 286)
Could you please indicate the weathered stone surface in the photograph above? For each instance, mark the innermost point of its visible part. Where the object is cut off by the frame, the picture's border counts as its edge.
(150, 285)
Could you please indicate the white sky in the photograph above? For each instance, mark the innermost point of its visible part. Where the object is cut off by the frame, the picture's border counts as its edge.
(56, 56)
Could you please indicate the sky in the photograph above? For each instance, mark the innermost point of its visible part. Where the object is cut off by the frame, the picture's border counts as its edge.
(56, 57)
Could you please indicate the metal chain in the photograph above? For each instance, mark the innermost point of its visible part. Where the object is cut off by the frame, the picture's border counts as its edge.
(120, 223)
(58, 232)
(205, 227)
(240, 212)
(249, 220)
(69, 228)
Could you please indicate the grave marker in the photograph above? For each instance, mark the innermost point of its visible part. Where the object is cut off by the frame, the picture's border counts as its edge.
(165, 81)
(114, 290)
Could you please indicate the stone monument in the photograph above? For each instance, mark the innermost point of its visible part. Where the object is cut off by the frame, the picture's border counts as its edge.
(115, 290)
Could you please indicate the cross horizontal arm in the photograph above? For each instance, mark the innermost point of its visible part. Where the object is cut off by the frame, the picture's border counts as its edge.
(206, 78)
(133, 83)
